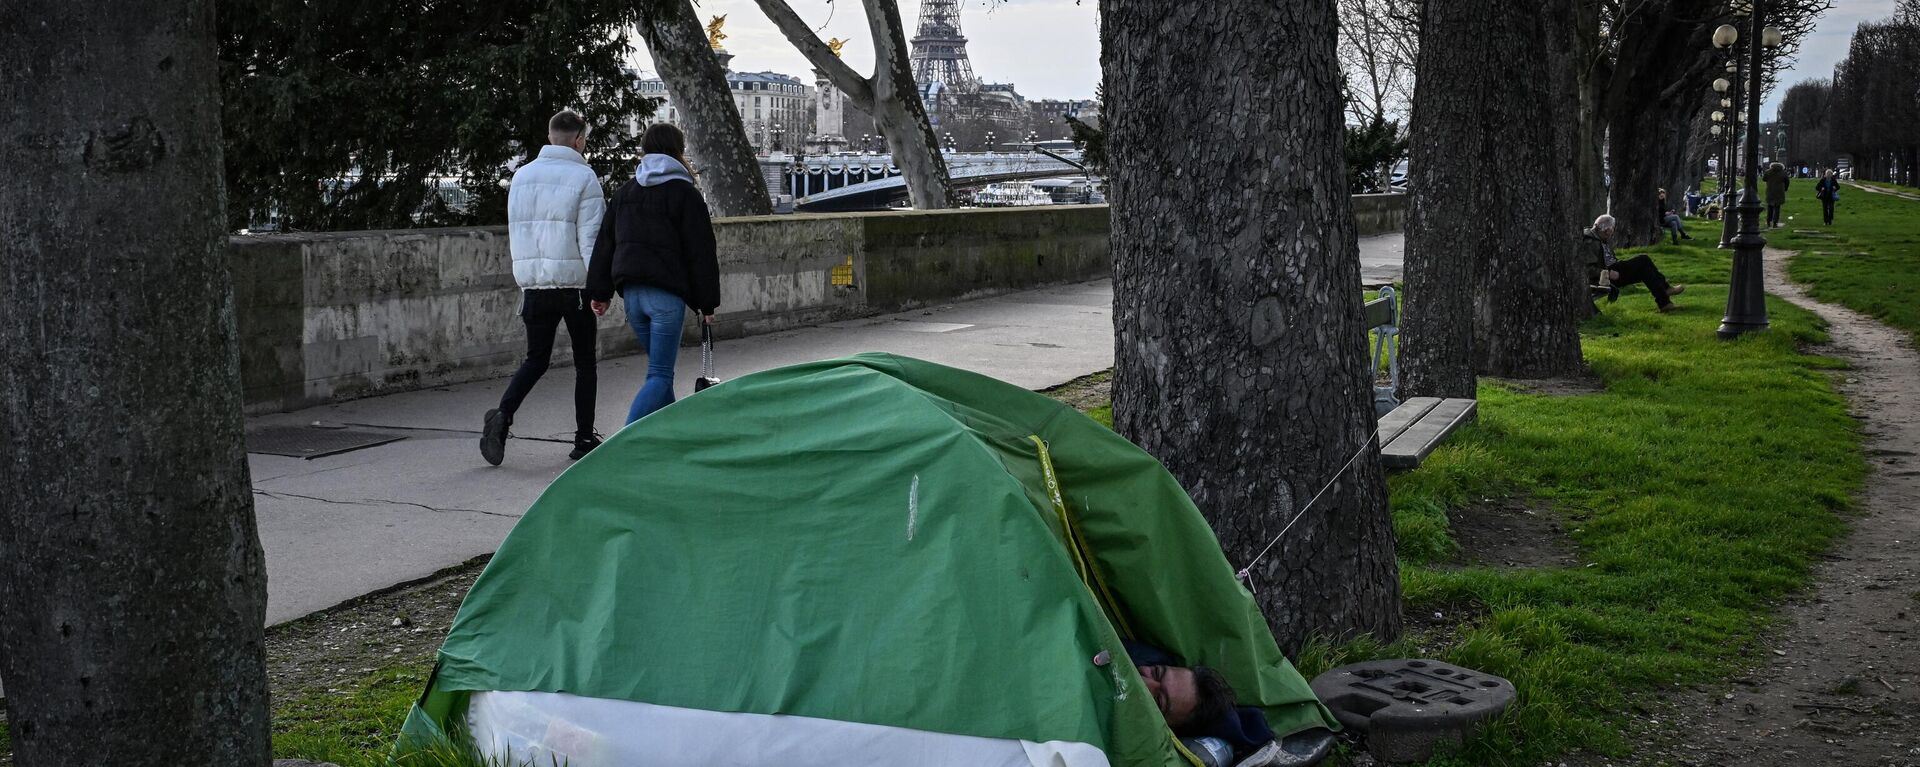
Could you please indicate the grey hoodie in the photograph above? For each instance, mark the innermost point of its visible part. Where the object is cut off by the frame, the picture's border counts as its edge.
(656, 169)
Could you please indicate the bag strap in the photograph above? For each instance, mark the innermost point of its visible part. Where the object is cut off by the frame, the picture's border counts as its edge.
(706, 348)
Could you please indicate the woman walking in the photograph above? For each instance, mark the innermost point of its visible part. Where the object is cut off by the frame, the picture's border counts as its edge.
(656, 250)
(1828, 190)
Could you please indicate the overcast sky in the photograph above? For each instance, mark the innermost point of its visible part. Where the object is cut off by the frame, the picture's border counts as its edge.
(1828, 45)
(1051, 48)
(1047, 48)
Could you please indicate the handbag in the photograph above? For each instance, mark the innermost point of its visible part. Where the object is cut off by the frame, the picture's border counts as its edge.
(706, 378)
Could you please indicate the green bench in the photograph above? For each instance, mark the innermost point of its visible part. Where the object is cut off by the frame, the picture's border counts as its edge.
(1408, 431)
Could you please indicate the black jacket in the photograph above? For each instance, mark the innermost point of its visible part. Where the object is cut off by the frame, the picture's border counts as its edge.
(660, 236)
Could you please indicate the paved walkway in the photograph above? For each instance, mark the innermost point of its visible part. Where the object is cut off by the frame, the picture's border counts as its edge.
(341, 526)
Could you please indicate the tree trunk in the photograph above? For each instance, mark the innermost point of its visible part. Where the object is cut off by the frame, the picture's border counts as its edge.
(901, 115)
(1639, 144)
(1240, 352)
(1532, 290)
(891, 97)
(729, 173)
(1490, 247)
(132, 594)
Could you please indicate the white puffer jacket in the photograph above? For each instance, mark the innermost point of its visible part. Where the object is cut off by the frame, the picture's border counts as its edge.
(553, 215)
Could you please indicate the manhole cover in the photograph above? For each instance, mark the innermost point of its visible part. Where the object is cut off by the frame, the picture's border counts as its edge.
(1407, 708)
(311, 442)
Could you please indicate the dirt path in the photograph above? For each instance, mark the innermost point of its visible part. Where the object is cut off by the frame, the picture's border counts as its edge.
(1838, 681)
(1878, 190)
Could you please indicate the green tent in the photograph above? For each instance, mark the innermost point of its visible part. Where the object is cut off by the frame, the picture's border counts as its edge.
(858, 561)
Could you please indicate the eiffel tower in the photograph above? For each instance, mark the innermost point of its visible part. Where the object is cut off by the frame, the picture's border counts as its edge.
(940, 51)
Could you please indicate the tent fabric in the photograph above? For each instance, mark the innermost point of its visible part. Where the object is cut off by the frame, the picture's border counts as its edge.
(870, 540)
(555, 728)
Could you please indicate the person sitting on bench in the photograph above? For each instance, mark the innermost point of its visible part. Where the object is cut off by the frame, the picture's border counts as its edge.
(1618, 272)
(1670, 220)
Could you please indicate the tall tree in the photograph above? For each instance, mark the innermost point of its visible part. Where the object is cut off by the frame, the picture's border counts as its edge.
(1494, 281)
(352, 114)
(1653, 89)
(1240, 351)
(716, 136)
(890, 96)
(132, 594)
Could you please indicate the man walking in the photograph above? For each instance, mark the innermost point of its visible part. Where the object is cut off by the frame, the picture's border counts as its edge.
(553, 215)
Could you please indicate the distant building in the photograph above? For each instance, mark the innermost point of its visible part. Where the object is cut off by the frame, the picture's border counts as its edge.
(778, 110)
(1047, 114)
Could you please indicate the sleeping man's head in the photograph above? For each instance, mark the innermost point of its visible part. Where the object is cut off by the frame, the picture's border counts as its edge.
(1191, 698)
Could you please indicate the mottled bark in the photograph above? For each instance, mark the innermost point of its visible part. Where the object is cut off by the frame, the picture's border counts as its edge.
(728, 172)
(132, 593)
(1531, 293)
(1494, 280)
(1646, 145)
(1240, 352)
(890, 96)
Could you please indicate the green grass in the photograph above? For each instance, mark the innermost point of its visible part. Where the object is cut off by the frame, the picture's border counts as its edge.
(1869, 260)
(352, 726)
(1700, 486)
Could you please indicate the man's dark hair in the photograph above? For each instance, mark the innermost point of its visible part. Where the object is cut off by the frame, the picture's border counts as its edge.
(1213, 699)
(568, 123)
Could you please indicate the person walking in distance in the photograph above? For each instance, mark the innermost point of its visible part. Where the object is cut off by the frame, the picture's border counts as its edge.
(1828, 190)
(1778, 179)
(658, 253)
(554, 208)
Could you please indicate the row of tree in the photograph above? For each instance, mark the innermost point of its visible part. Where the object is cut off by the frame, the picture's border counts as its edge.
(1870, 110)
(379, 115)
(1239, 341)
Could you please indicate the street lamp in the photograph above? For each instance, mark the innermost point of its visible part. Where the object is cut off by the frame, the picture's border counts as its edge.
(1746, 289)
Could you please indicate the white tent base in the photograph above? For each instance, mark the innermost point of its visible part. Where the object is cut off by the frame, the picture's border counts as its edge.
(544, 729)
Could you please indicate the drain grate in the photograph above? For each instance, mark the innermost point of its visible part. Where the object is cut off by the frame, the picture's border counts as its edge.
(311, 442)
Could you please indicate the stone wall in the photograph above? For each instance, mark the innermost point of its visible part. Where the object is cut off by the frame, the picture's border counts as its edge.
(1379, 213)
(325, 317)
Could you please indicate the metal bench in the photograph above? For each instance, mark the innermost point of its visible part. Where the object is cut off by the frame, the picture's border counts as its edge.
(1408, 431)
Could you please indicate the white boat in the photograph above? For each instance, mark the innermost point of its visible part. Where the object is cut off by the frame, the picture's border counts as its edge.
(1009, 194)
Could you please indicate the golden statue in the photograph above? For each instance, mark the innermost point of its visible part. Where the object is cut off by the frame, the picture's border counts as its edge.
(714, 35)
(835, 45)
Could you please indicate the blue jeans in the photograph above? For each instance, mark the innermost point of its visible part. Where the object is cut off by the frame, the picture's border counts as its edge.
(656, 317)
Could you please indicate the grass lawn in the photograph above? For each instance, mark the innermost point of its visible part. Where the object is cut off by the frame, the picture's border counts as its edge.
(1700, 486)
(1869, 260)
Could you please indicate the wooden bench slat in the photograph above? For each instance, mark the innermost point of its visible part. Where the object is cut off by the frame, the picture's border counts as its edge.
(1380, 312)
(1414, 444)
(1392, 424)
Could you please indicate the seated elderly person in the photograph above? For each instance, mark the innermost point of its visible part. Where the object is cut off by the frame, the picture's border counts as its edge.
(1616, 272)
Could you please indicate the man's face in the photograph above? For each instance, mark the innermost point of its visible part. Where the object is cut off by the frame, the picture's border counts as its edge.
(1173, 690)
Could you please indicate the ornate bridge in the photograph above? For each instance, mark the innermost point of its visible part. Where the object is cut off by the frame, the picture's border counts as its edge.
(871, 182)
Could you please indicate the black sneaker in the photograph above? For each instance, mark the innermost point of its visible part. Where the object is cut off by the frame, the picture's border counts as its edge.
(582, 445)
(493, 437)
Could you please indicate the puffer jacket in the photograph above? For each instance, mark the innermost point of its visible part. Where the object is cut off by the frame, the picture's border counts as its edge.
(553, 216)
(659, 235)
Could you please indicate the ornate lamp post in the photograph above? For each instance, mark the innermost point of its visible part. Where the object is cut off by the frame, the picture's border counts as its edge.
(1729, 89)
(1746, 290)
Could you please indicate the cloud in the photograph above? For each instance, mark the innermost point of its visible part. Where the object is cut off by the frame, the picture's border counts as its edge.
(1827, 45)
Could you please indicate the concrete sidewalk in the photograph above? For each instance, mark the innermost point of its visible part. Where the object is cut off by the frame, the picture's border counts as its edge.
(340, 526)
